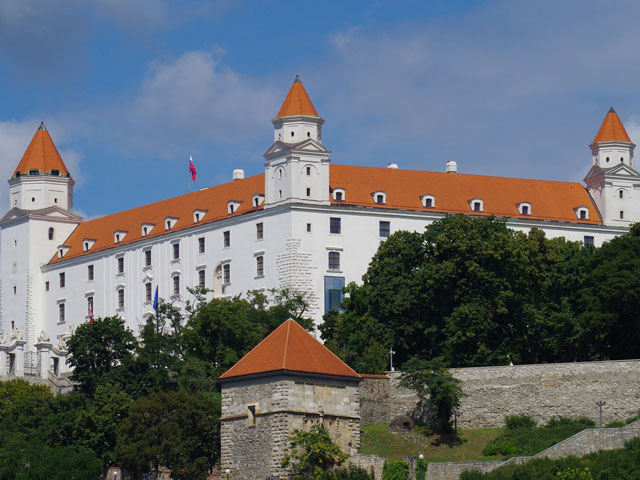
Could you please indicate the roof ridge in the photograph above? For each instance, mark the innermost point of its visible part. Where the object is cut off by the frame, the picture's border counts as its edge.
(286, 343)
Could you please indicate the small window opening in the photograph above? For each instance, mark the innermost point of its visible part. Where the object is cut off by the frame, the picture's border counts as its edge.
(55, 200)
(46, 286)
(607, 159)
(621, 214)
(55, 173)
(621, 160)
(309, 134)
(620, 194)
(147, 258)
(308, 192)
(280, 194)
(308, 228)
(292, 134)
(34, 171)
(251, 417)
(33, 199)
(308, 170)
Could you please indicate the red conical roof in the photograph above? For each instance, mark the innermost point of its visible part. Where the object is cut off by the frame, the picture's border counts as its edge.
(41, 154)
(290, 347)
(611, 129)
(297, 102)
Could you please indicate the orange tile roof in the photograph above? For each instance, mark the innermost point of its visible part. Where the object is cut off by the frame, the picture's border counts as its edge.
(611, 129)
(297, 102)
(290, 348)
(549, 200)
(452, 191)
(41, 154)
(213, 200)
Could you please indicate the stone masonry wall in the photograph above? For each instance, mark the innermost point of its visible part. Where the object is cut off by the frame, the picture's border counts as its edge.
(374, 399)
(541, 391)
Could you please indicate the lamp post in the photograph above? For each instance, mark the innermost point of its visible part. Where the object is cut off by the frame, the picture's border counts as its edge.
(601, 404)
(227, 471)
(420, 468)
(391, 352)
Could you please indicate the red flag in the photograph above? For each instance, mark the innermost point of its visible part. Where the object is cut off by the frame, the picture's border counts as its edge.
(192, 169)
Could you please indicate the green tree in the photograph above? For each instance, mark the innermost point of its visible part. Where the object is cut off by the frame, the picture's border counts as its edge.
(312, 454)
(173, 429)
(97, 349)
(439, 393)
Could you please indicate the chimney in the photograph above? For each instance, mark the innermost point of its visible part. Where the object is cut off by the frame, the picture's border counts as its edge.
(238, 174)
(452, 167)
(392, 165)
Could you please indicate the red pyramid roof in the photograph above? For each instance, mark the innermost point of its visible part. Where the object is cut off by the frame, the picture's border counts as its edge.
(41, 154)
(297, 102)
(290, 347)
(611, 129)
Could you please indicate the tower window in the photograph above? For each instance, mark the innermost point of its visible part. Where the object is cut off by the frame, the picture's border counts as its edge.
(260, 266)
(226, 274)
(55, 173)
(334, 260)
(621, 214)
(607, 159)
(51, 233)
(226, 236)
(120, 265)
(259, 231)
(46, 286)
(34, 171)
(176, 251)
(201, 278)
(147, 292)
(90, 273)
(308, 228)
(621, 160)
(147, 258)
(33, 199)
(61, 313)
(280, 194)
(385, 229)
(201, 245)
(176, 285)
(335, 225)
(621, 193)
(308, 170)
(292, 134)
(89, 306)
(308, 192)
(309, 134)
(62, 279)
(121, 298)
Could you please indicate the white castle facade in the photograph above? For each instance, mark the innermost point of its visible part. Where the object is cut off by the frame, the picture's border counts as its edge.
(305, 224)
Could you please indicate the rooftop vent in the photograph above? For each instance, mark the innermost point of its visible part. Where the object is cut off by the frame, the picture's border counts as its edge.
(238, 174)
(392, 165)
(451, 167)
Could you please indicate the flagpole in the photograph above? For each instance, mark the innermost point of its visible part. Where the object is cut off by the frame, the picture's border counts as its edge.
(189, 177)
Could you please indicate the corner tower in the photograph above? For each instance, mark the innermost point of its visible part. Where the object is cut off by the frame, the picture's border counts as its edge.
(613, 182)
(297, 167)
(38, 222)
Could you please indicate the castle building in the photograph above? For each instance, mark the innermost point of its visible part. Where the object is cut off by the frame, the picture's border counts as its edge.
(289, 381)
(305, 224)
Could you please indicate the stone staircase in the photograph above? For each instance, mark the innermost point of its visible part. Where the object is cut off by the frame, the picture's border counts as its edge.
(584, 442)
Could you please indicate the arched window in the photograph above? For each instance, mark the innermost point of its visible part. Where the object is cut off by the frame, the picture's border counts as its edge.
(50, 233)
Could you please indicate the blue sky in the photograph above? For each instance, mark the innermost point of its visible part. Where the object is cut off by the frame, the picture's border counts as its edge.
(128, 89)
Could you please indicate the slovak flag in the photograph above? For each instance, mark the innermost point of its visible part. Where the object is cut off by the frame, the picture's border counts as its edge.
(192, 169)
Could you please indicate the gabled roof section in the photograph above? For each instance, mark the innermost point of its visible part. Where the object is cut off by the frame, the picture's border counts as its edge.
(41, 155)
(290, 348)
(611, 129)
(297, 102)
(213, 200)
(452, 191)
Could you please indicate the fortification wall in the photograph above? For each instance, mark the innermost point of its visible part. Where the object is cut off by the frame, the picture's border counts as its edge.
(541, 391)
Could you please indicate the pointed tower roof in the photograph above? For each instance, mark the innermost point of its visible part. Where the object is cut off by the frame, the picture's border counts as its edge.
(290, 348)
(611, 129)
(41, 155)
(297, 102)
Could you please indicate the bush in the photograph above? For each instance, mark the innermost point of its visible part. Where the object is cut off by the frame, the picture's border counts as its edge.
(514, 422)
(395, 470)
(352, 473)
(564, 421)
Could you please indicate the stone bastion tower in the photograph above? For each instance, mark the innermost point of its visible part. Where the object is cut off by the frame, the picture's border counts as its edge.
(288, 381)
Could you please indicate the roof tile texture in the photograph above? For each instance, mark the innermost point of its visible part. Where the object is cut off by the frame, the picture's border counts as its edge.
(297, 102)
(291, 348)
(41, 154)
(611, 129)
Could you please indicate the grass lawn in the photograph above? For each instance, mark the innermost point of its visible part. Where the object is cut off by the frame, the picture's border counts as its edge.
(378, 440)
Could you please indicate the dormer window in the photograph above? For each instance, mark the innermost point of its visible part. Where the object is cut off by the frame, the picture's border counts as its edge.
(257, 199)
(379, 197)
(170, 222)
(339, 194)
(198, 215)
(146, 228)
(428, 201)
(34, 171)
(118, 236)
(87, 243)
(232, 206)
(582, 213)
(524, 208)
(55, 173)
(62, 251)
(476, 204)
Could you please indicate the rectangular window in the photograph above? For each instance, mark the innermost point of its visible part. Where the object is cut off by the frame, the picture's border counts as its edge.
(334, 260)
(588, 240)
(308, 228)
(201, 245)
(252, 415)
(176, 285)
(90, 272)
(385, 229)
(46, 286)
(260, 266)
(147, 292)
(226, 274)
(90, 306)
(147, 258)
(621, 214)
(120, 264)
(335, 225)
(61, 312)
(308, 192)
(226, 239)
(259, 231)
(333, 293)
(476, 206)
(62, 280)
(176, 251)
(121, 298)
(201, 278)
